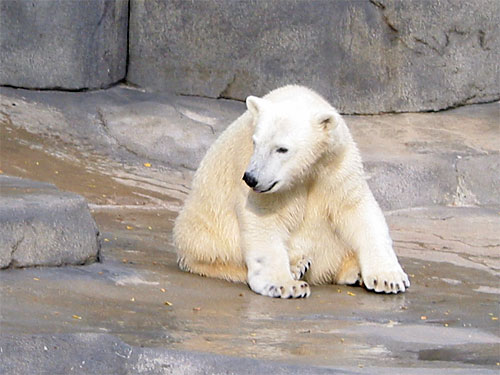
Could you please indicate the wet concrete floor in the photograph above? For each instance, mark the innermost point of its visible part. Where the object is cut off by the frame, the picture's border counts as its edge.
(447, 320)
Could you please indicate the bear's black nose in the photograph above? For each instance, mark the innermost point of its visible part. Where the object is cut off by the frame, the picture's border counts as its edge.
(250, 180)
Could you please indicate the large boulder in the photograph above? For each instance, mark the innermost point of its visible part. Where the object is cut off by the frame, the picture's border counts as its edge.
(364, 56)
(42, 226)
(63, 44)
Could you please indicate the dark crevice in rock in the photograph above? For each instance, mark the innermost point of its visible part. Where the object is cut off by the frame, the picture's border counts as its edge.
(196, 95)
(64, 89)
(389, 24)
(426, 44)
(378, 4)
(127, 57)
(13, 250)
(225, 94)
(210, 97)
(482, 40)
(461, 103)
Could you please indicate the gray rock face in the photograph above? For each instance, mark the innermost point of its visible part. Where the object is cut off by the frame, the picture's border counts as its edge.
(63, 44)
(178, 131)
(42, 226)
(415, 182)
(411, 160)
(364, 56)
(479, 179)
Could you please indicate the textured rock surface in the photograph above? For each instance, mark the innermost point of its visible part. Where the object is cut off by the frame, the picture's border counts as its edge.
(411, 160)
(479, 178)
(178, 131)
(113, 316)
(63, 44)
(123, 326)
(42, 226)
(93, 353)
(365, 56)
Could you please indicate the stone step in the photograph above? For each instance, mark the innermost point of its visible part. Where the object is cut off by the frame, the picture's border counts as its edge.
(43, 226)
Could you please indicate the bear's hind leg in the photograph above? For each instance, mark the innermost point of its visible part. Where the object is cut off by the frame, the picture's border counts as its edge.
(225, 271)
(349, 272)
(208, 248)
(299, 267)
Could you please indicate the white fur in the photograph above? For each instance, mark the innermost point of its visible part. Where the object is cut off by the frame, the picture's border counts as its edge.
(310, 206)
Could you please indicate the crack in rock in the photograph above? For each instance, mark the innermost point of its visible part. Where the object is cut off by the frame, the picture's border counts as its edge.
(462, 197)
(13, 250)
(225, 93)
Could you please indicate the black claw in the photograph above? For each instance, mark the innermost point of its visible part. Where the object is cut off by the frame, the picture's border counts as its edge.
(397, 286)
(374, 282)
(385, 283)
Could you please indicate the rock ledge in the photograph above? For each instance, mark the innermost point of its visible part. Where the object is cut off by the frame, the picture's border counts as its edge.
(42, 226)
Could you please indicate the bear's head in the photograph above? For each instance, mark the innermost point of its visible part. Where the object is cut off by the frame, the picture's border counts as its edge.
(290, 136)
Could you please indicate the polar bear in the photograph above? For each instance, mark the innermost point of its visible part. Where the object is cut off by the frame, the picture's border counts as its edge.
(280, 201)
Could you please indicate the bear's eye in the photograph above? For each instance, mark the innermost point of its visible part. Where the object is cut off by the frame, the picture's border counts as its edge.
(282, 150)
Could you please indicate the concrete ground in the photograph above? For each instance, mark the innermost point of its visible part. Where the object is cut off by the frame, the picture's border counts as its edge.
(135, 312)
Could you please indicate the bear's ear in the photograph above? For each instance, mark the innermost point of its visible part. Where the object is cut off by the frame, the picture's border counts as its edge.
(328, 120)
(255, 105)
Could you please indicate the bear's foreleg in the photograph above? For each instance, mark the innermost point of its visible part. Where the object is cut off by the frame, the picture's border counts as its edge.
(268, 265)
(365, 229)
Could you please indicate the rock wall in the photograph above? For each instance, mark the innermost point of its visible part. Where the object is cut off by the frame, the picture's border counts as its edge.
(364, 56)
(61, 44)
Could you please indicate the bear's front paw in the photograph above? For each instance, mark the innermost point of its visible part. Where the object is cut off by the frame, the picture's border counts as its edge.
(300, 268)
(387, 280)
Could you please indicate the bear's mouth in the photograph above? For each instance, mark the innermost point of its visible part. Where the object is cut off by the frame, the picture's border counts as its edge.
(268, 189)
